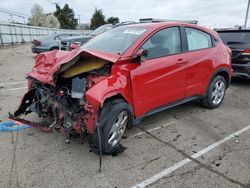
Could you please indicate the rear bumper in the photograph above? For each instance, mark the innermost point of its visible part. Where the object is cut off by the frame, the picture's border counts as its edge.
(37, 50)
(241, 70)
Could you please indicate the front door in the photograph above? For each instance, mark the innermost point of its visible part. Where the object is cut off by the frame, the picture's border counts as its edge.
(161, 78)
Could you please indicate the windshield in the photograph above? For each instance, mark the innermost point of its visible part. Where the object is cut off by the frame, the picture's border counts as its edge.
(117, 40)
(101, 29)
(235, 37)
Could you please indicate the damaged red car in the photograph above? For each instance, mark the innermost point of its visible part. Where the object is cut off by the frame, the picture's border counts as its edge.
(125, 74)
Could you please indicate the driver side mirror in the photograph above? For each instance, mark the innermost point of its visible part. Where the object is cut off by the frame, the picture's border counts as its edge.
(141, 55)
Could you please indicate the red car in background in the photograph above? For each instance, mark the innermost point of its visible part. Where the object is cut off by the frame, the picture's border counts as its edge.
(124, 75)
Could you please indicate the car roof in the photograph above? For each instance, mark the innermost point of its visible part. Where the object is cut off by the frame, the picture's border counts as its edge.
(156, 25)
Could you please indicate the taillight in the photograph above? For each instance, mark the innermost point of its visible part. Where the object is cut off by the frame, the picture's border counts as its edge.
(36, 42)
(75, 45)
(246, 51)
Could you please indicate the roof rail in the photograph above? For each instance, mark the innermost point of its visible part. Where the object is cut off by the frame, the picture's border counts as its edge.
(124, 23)
(150, 20)
(237, 27)
(128, 22)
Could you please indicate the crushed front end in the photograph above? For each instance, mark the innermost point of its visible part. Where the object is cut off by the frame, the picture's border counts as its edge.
(57, 88)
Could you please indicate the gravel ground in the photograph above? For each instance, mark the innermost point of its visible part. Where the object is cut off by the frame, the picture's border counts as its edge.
(32, 158)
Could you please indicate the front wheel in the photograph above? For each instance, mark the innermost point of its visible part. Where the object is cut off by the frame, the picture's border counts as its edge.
(113, 120)
(216, 93)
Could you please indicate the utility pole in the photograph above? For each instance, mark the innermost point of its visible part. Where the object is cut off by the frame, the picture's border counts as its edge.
(79, 17)
(11, 18)
(245, 25)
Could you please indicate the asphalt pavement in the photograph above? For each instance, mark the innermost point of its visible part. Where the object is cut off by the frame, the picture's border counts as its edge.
(184, 147)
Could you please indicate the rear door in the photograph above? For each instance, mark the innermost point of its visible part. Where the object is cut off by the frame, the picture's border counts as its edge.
(200, 57)
(161, 78)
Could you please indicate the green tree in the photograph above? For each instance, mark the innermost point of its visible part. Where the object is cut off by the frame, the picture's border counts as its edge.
(97, 19)
(66, 17)
(113, 20)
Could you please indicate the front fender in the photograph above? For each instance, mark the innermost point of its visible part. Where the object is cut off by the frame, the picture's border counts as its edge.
(118, 83)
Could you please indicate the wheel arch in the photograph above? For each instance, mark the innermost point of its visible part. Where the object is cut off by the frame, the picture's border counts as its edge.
(224, 72)
(115, 99)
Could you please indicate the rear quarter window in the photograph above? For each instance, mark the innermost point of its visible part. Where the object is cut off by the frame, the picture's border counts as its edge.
(198, 39)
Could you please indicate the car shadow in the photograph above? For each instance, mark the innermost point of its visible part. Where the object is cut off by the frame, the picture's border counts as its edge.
(240, 82)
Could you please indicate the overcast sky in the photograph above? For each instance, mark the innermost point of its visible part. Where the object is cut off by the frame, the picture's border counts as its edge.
(210, 13)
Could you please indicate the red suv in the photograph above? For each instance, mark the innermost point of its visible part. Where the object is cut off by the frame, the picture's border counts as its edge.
(124, 75)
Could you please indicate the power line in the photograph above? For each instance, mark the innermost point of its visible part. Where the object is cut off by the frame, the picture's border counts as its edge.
(56, 3)
(13, 13)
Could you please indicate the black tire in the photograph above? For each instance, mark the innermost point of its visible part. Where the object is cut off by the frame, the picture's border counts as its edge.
(107, 117)
(209, 99)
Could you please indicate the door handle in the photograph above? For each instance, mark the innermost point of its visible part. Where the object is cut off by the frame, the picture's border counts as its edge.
(181, 62)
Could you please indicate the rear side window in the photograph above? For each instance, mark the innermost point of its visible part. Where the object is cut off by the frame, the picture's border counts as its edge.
(198, 39)
(163, 43)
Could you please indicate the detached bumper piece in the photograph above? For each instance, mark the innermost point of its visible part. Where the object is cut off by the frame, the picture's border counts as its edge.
(40, 126)
(13, 126)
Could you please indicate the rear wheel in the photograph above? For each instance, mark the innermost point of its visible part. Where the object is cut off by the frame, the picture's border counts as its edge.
(113, 121)
(216, 93)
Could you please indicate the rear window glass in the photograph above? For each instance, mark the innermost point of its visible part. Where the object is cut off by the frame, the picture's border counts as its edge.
(235, 37)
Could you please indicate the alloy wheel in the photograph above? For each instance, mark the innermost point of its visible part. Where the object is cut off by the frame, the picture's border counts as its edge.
(218, 92)
(118, 128)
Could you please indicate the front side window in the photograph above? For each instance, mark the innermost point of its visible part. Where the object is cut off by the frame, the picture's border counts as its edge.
(163, 43)
(198, 39)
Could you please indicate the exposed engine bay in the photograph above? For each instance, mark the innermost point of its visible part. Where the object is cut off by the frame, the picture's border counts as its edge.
(65, 102)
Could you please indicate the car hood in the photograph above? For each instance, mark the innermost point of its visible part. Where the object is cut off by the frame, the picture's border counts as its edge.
(48, 64)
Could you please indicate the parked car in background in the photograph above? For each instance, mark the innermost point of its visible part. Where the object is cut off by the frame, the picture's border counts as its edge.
(81, 39)
(239, 41)
(66, 43)
(49, 43)
(76, 41)
(103, 87)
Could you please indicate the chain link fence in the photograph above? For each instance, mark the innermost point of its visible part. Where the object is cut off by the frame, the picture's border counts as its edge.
(11, 34)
